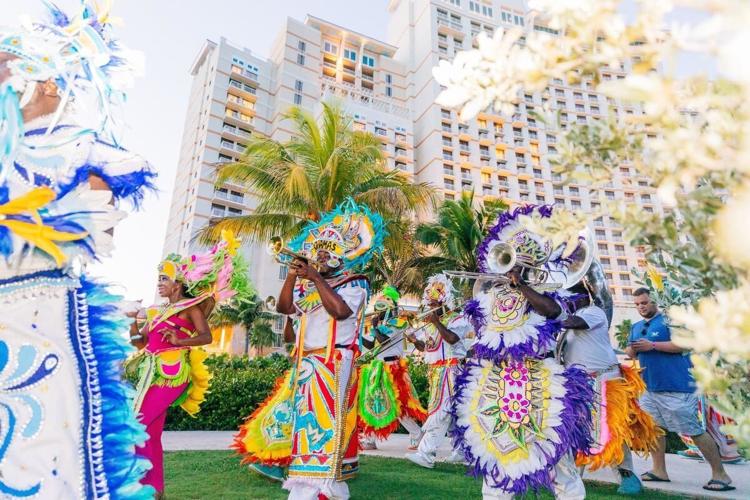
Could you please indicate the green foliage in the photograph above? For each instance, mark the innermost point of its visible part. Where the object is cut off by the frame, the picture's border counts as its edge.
(622, 332)
(262, 335)
(459, 229)
(418, 374)
(300, 179)
(238, 385)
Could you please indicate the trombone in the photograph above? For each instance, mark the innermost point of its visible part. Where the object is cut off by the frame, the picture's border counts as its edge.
(500, 260)
(400, 335)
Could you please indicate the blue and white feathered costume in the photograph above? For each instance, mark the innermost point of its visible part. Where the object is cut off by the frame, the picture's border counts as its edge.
(66, 425)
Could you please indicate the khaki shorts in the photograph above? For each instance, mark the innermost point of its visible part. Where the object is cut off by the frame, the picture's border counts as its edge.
(674, 411)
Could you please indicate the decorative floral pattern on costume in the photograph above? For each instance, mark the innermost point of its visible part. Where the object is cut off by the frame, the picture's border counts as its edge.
(22, 414)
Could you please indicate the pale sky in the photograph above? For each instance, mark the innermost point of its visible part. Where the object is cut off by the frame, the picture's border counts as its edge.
(170, 33)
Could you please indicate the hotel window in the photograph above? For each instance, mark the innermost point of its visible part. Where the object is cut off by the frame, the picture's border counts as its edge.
(486, 11)
(448, 183)
(445, 113)
(301, 59)
(359, 126)
(523, 184)
(298, 92)
(350, 54)
(442, 38)
(447, 169)
(223, 157)
(474, 6)
(368, 61)
(447, 141)
(380, 131)
(330, 48)
(457, 3)
(447, 155)
(446, 127)
(301, 46)
(389, 92)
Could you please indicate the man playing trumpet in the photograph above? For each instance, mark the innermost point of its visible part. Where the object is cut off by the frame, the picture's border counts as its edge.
(309, 423)
(441, 341)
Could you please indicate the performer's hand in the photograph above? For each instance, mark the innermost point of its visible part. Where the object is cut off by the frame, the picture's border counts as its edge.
(171, 338)
(642, 345)
(411, 337)
(514, 275)
(305, 271)
(434, 317)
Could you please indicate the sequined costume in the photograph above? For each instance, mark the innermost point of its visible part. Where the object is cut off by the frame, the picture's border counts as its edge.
(67, 429)
(309, 424)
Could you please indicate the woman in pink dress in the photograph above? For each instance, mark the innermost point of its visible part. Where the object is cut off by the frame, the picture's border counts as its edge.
(170, 365)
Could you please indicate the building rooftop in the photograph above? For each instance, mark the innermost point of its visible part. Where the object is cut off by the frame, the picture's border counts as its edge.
(369, 43)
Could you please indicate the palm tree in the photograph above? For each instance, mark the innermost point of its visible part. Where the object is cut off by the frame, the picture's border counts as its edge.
(300, 179)
(455, 235)
(246, 310)
(400, 263)
(262, 335)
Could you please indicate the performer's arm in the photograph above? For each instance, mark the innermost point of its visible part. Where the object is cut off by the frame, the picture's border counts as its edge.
(289, 336)
(137, 342)
(418, 344)
(285, 304)
(542, 304)
(332, 302)
(196, 316)
(443, 330)
(575, 323)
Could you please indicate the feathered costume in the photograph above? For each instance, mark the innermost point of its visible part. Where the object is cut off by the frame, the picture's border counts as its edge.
(386, 394)
(309, 423)
(170, 375)
(67, 429)
(518, 413)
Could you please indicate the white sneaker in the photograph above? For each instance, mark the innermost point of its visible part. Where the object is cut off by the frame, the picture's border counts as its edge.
(421, 460)
(455, 458)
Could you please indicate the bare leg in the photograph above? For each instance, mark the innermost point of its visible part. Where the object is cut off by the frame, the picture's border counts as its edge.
(710, 452)
(659, 467)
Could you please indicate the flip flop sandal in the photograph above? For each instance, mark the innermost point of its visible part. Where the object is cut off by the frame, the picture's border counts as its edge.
(722, 486)
(651, 477)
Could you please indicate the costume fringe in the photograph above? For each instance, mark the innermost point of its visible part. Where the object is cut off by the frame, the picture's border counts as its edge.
(626, 423)
(399, 389)
(376, 376)
(408, 399)
(249, 441)
(200, 379)
(120, 430)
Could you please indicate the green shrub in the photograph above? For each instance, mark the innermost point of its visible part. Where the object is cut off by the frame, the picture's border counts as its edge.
(238, 385)
(418, 374)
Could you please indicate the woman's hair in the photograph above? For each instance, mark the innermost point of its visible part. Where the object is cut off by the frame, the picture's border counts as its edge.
(185, 292)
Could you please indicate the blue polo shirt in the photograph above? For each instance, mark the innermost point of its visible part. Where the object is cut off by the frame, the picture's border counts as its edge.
(662, 371)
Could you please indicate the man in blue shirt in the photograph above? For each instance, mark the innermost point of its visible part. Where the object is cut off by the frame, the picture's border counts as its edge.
(670, 391)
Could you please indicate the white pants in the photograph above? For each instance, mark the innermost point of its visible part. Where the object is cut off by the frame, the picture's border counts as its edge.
(567, 484)
(434, 430)
(335, 490)
(411, 426)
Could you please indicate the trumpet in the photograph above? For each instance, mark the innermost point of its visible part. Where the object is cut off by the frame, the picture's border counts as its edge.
(277, 249)
(269, 305)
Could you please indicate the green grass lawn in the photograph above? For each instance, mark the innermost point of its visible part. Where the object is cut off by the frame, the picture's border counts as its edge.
(219, 475)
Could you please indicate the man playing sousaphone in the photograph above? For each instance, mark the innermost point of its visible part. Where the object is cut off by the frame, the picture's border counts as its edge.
(308, 424)
(386, 394)
(441, 341)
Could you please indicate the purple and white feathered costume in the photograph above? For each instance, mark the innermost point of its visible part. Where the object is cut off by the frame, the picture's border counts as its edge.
(519, 416)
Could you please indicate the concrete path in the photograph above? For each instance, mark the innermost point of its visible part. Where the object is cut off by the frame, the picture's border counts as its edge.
(687, 475)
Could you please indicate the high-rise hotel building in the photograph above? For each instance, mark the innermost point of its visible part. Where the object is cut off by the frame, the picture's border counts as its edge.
(388, 88)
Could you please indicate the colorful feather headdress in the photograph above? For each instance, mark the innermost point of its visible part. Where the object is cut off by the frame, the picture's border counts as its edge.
(351, 233)
(220, 273)
(439, 289)
(79, 55)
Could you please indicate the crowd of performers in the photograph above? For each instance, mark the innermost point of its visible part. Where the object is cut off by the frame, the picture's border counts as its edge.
(538, 394)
